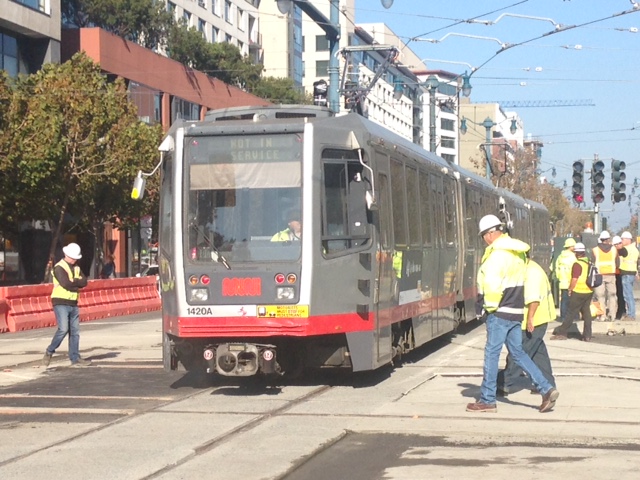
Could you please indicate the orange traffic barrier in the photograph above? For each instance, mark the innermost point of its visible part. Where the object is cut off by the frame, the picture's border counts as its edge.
(29, 306)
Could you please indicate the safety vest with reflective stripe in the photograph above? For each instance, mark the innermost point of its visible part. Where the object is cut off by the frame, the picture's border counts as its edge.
(564, 262)
(58, 290)
(501, 278)
(581, 285)
(538, 289)
(605, 261)
(630, 262)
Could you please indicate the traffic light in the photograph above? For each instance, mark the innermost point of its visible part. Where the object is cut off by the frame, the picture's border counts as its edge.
(578, 181)
(617, 181)
(597, 179)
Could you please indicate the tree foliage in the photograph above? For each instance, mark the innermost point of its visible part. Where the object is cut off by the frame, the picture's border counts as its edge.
(77, 143)
(280, 90)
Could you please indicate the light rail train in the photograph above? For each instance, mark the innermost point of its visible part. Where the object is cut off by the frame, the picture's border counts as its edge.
(386, 259)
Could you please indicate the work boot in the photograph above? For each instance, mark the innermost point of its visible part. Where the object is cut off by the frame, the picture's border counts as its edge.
(46, 360)
(81, 362)
(549, 400)
(482, 407)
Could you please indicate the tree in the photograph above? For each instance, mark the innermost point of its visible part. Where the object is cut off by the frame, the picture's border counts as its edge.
(79, 145)
(280, 90)
(146, 22)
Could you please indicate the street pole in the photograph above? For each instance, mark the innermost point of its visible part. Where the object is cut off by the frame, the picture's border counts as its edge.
(488, 124)
(334, 66)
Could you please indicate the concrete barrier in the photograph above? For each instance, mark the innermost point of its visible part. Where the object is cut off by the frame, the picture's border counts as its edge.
(29, 306)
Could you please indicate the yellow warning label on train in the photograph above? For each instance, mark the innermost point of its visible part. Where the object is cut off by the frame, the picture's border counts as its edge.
(283, 311)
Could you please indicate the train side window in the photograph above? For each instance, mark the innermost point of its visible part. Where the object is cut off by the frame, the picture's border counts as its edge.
(398, 189)
(413, 206)
(425, 209)
(345, 219)
(165, 206)
(449, 212)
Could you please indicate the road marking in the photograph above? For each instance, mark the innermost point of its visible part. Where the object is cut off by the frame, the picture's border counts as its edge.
(91, 397)
(63, 411)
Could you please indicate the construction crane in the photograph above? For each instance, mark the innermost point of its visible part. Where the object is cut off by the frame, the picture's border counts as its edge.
(542, 103)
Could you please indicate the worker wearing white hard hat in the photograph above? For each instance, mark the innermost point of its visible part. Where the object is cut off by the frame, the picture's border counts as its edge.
(628, 274)
(580, 295)
(68, 279)
(500, 285)
(561, 270)
(606, 259)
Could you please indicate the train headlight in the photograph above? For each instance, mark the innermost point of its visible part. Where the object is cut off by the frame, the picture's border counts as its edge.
(285, 293)
(198, 294)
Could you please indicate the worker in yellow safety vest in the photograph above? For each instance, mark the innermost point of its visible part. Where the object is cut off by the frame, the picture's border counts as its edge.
(628, 273)
(561, 268)
(500, 285)
(606, 259)
(68, 279)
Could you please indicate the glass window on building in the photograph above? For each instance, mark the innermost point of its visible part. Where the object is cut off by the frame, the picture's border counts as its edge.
(182, 109)
(322, 43)
(215, 33)
(9, 54)
(447, 142)
(322, 68)
(148, 102)
(241, 26)
(228, 11)
(202, 25)
(447, 124)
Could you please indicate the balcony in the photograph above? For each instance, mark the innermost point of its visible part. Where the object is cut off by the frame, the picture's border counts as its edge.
(255, 42)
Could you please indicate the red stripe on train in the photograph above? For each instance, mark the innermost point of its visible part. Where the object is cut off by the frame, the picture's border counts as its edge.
(331, 324)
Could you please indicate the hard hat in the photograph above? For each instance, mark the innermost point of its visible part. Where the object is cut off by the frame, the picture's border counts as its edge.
(604, 235)
(616, 240)
(72, 251)
(626, 235)
(570, 242)
(579, 247)
(487, 223)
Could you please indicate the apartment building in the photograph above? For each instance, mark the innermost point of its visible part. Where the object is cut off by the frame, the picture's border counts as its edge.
(30, 32)
(231, 21)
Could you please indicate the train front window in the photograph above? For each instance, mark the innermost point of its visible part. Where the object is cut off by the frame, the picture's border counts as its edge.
(242, 192)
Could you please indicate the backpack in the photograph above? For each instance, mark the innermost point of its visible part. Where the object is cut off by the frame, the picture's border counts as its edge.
(594, 277)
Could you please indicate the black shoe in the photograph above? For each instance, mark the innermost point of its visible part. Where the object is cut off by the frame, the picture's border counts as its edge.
(501, 393)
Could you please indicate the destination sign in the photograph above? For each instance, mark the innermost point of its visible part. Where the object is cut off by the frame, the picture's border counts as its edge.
(245, 149)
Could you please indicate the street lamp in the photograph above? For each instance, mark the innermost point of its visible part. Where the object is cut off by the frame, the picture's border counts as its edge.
(432, 83)
(488, 124)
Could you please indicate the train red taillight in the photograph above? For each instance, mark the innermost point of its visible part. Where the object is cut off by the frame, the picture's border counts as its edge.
(205, 280)
(279, 278)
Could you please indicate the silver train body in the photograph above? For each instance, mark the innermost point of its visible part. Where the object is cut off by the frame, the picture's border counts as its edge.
(386, 260)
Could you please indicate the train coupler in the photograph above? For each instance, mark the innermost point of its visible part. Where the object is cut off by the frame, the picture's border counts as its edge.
(241, 359)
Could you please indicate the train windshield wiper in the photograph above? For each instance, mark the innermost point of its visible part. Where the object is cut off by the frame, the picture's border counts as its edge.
(215, 253)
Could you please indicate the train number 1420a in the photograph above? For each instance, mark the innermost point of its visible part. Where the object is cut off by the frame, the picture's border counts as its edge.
(199, 311)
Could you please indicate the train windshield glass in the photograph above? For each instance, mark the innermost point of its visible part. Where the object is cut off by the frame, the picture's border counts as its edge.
(244, 193)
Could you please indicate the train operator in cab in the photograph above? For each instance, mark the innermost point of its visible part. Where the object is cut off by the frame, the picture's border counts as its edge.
(500, 284)
(294, 230)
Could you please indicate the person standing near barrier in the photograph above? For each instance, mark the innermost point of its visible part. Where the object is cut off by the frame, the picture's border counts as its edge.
(616, 241)
(540, 310)
(500, 286)
(628, 273)
(606, 259)
(580, 295)
(68, 279)
(562, 270)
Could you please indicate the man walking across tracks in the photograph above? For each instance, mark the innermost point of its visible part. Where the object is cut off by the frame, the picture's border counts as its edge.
(540, 310)
(605, 257)
(500, 285)
(628, 272)
(580, 295)
(67, 281)
(562, 271)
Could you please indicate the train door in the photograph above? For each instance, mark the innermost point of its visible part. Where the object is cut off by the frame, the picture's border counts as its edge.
(387, 279)
(448, 258)
(434, 262)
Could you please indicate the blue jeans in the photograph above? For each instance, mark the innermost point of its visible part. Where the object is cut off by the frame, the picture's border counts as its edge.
(68, 320)
(499, 333)
(627, 291)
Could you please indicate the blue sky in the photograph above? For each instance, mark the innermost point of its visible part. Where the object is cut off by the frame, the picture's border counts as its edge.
(597, 62)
